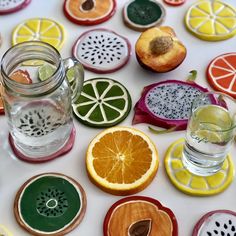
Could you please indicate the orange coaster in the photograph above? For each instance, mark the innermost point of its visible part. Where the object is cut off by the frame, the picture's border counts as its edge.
(192, 184)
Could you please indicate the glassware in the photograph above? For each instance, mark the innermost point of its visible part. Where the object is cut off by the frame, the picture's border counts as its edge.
(39, 109)
(210, 133)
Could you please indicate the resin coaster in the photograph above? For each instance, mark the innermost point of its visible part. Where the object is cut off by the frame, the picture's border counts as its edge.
(89, 12)
(10, 6)
(192, 184)
(67, 147)
(221, 73)
(174, 2)
(4, 231)
(103, 103)
(50, 204)
(102, 50)
(211, 20)
(142, 15)
(219, 222)
(139, 215)
(41, 29)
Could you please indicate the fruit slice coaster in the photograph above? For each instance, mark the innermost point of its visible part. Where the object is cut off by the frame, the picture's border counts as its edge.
(121, 160)
(10, 6)
(192, 184)
(141, 15)
(221, 73)
(174, 2)
(50, 204)
(103, 103)
(41, 29)
(211, 20)
(4, 231)
(167, 104)
(89, 12)
(219, 222)
(102, 50)
(138, 215)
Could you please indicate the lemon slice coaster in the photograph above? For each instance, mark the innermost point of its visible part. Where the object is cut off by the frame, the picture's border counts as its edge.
(39, 29)
(192, 184)
(211, 20)
(4, 231)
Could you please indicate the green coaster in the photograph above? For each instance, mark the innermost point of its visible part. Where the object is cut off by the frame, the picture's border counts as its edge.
(50, 204)
(103, 103)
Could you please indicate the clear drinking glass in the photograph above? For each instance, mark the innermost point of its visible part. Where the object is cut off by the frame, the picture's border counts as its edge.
(210, 133)
(39, 113)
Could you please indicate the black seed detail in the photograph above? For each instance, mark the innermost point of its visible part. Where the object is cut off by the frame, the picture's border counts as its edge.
(217, 224)
(233, 228)
(222, 233)
(216, 232)
(225, 226)
(209, 234)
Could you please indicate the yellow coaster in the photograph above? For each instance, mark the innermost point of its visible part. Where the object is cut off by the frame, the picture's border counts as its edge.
(4, 231)
(41, 29)
(211, 20)
(193, 184)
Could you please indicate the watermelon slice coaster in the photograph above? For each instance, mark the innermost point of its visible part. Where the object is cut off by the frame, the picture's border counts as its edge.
(10, 6)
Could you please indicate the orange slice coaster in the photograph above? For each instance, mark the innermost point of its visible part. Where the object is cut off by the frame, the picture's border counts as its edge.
(221, 73)
(192, 184)
(141, 216)
(122, 160)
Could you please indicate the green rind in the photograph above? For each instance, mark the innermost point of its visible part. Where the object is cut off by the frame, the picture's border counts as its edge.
(109, 124)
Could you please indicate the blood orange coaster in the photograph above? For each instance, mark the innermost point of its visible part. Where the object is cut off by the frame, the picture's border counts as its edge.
(89, 12)
(102, 50)
(221, 73)
(219, 222)
(50, 204)
(10, 6)
(142, 216)
(174, 2)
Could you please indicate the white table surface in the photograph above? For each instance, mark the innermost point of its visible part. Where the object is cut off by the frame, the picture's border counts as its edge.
(13, 172)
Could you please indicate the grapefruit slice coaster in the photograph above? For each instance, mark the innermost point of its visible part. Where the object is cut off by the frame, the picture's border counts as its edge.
(103, 103)
(89, 12)
(102, 50)
(138, 215)
(50, 204)
(211, 20)
(121, 160)
(174, 2)
(142, 15)
(218, 222)
(192, 184)
(221, 73)
(10, 6)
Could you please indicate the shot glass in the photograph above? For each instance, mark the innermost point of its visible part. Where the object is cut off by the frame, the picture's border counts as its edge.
(210, 133)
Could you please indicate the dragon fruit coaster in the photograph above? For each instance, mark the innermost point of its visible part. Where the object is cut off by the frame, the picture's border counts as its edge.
(167, 104)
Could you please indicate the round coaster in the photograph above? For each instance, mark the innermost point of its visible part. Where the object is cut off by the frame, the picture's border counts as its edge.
(221, 73)
(10, 6)
(219, 222)
(142, 15)
(138, 215)
(4, 231)
(211, 20)
(174, 2)
(50, 204)
(103, 103)
(89, 12)
(192, 184)
(102, 50)
(65, 149)
(40, 29)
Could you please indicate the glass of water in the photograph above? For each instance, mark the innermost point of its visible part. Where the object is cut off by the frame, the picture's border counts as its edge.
(210, 133)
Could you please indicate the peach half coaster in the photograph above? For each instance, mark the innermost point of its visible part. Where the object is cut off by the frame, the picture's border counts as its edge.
(192, 184)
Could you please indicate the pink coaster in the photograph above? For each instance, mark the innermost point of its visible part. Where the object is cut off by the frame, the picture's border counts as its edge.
(67, 147)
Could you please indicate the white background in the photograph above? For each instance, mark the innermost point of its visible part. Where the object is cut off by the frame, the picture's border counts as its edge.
(13, 172)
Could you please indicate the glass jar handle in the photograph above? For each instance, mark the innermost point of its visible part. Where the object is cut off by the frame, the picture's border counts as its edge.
(75, 76)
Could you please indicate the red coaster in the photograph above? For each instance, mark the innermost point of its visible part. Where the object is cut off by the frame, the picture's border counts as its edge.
(67, 147)
(174, 2)
(9, 6)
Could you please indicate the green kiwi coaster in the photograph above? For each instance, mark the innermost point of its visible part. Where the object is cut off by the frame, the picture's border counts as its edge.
(103, 103)
(192, 184)
(50, 204)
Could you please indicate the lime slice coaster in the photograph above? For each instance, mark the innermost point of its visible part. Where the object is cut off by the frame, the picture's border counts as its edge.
(4, 231)
(46, 71)
(50, 204)
(103, 103)
(192, 184)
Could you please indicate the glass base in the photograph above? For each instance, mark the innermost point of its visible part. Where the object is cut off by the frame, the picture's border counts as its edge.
(66, 148)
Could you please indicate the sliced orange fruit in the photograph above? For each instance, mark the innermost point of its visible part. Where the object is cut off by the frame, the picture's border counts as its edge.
(40, 29)
(221, 73)
(122, 160)
(211, 20)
